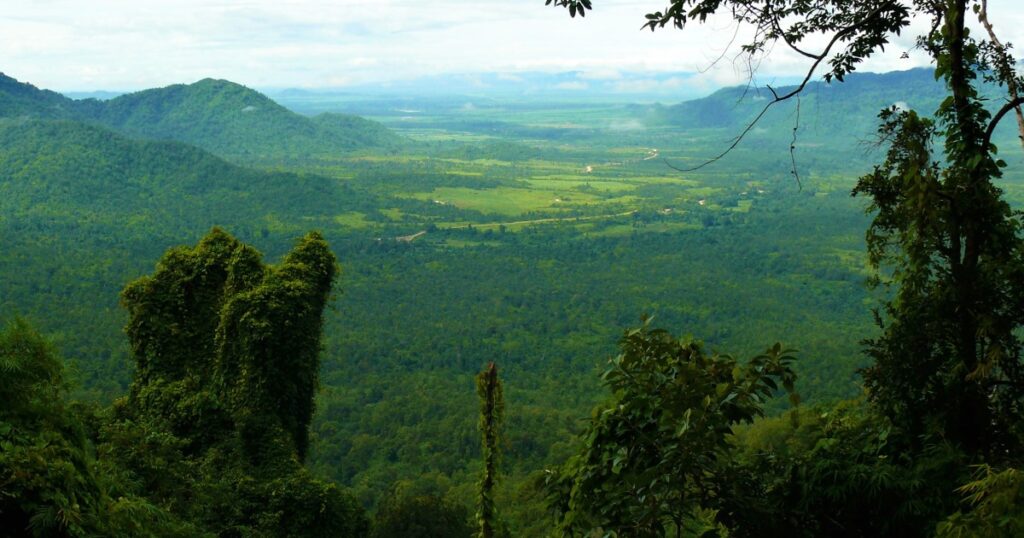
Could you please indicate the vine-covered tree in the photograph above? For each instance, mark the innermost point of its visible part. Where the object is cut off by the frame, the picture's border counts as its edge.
(217, 420)
(492, 415)
(241, 338)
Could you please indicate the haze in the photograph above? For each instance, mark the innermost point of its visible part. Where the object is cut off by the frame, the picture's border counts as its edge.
(110, 45)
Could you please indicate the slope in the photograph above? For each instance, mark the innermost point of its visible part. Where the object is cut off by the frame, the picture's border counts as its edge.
(846, 109)
(61, 168)
(18, 99)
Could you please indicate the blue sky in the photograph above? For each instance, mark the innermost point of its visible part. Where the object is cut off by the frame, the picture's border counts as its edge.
(126, 45)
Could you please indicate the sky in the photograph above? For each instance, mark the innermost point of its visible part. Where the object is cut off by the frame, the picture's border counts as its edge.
(123, 45)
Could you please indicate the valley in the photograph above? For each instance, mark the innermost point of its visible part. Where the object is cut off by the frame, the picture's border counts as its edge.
(529, 233)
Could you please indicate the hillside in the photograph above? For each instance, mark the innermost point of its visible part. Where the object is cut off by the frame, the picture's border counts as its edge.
(225, 118)
(68, 168)
(19, 99)
(846, 108)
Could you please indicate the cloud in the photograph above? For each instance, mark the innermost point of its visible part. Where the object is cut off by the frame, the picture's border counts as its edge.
(509, 77)
(575, 85)
(601, 74)
(112, 44)
(650, 85)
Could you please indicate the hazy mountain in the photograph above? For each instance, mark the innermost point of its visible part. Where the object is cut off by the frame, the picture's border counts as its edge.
(102, 95)
(605, 85)
(848, 107)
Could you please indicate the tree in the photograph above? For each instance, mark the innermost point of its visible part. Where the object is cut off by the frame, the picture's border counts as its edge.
(492, 415)
(405, 515)
(839, 470)
(217, 421)
(240, 339)
(948, 362)
(653, 459)
(996, 499)
(53, 481)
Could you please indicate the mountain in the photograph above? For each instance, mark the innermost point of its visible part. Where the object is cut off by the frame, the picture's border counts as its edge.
(220, 116)
(230, 119)
(60, 168)
(21, 99)
(604, 85)
(846, 108)
(102, 95)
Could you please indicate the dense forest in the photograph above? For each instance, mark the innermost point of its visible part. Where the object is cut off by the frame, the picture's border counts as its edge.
(760, 353)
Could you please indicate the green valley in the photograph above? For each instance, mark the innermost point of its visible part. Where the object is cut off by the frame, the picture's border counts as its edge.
(527, 232)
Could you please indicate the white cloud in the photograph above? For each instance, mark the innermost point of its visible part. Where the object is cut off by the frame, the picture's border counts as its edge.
(574, 85)
(508, 77)
(112, 44)
(601, 73)
(650, 85)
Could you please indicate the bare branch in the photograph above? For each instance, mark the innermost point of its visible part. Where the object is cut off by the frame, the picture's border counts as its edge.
(1012, 105)
(786, 40)
(725, 51)
(785, 97)
(1011, 82)
(792, 146)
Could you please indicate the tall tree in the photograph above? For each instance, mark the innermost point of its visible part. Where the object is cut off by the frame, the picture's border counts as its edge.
(492, 415)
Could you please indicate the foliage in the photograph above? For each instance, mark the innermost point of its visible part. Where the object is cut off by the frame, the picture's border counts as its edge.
(492, 416)
(996, 503)
(654, 455)
(83, 210)
(402, 514)
(839, 470)
(51, 482)
(217, 421)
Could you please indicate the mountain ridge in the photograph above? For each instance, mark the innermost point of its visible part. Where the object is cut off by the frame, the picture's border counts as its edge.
(223, 117)
(860, 96)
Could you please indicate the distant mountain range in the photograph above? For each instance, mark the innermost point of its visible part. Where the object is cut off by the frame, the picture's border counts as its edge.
(610, 85)
(839, 111)
(228, 119)
(851, 105)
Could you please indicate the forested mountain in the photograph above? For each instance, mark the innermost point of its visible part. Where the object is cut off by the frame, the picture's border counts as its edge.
(20, 99)
(838, 110)
(230, 119)
(220, 116)
(70, 169)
